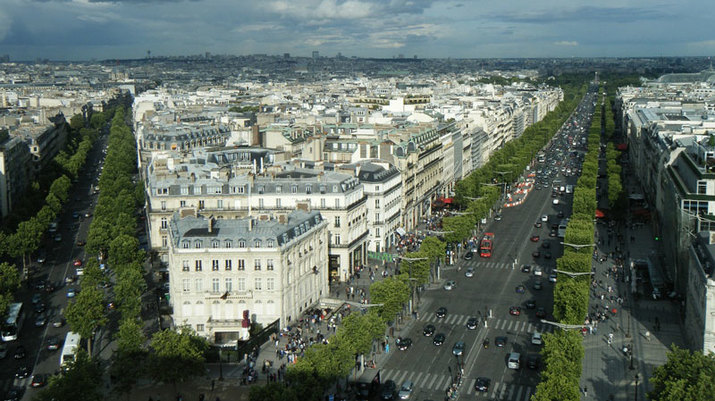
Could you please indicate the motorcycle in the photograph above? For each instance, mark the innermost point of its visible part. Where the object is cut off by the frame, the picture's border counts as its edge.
(485, 344)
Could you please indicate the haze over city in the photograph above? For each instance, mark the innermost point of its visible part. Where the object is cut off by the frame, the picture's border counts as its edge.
(97, 29)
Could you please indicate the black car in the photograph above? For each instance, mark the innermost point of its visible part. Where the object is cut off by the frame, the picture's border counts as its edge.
(388, 390)
(530, 304)
(40, 307)
(533, 362)
(520, 289)
(38, 380)
(22, 372)
(482, 384)
(15, 394)
(428, 330)
(472, 323)
(546, 245)
(403, 344)
(536, 254)
(19, 352)
(469, 255)
(500, 341)
(540, 312)
(547, 255)
(441, 312)
(525, 268)
(53, 343)
(438, 339)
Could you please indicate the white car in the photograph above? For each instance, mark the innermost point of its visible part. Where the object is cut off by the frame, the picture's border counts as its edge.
(555, 201)
(544, 218)
(536, 338)
(449, 285)
(552, 278)
(537, 271)
(469, 273)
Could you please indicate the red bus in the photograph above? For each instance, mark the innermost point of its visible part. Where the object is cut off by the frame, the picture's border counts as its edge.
(486, 245)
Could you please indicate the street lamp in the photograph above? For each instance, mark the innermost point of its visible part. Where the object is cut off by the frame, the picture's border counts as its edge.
(564, 326)
(577, 246)
(573, 274)
(472, 198)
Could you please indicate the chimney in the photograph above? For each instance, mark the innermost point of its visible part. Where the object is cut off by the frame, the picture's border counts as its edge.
(211, 223)
(193, 177)
(302, 206)
(282, 218)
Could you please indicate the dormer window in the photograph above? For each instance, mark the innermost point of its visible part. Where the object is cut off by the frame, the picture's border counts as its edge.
(228, 243)
(241, 243)
(256, 243)
(198, 244)
(270, 243)
(185, 244)
(215, 244)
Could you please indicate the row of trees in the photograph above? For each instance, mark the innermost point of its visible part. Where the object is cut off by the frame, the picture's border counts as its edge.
(563, 349)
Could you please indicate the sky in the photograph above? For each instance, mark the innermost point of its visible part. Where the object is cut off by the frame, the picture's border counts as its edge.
(78, 30)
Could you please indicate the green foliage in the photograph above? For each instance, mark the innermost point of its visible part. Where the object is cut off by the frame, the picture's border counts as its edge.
(360, 330)
(392, 293)
(273, 392)
(86, 313)
(9, 283)
(686, 375)
(80, 380)
(417, 269)
(176, 356)
(130, 337)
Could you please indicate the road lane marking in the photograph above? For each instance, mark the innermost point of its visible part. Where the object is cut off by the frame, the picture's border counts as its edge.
(417, 378)
(401, 379)
(518, 393)
(495, 389)
(432, 381)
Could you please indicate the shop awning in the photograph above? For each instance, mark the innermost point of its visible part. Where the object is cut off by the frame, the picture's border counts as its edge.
(400, 231)
(447, 201)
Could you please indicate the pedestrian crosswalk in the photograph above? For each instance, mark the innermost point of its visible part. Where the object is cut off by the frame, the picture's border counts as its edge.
(441, 381)
(511, 323)
(481, 264)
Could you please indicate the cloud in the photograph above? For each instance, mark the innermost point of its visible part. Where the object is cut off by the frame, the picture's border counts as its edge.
(586, 13)
(571, 43)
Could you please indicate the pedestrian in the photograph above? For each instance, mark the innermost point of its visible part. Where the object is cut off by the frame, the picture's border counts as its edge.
(213, 384)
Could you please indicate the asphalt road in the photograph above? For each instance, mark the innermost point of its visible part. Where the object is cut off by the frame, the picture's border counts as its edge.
(60, 256)
(491, 292)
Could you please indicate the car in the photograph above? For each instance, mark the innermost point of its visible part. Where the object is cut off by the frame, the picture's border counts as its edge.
(36, 298)
(428, 330)
(22, 372)
(77, 263)
(41, 257)
(40, 320)
(53, 343)
(71, 292)
(547, 255)
(552, 277)
(469, 273)
(534, 238)
(388, 390)
(553, 233)
(537, 224)
(520, 289)
(87, 214)
(536, 338)
(81, 243)
(497, 217)
(540, 312)
(533, 362)
(525, 268)
(441, 312)
(450, 285)
(530, 304)
(536, 254)
(555, 202)
(546, 245)
(3, 350)
(438, 339)
(403, 344)
(537, 285)
(406, 390)
(537, 271)
(458, 348)
(514, 310)
(39, 307)
(58, 237)
(15, 394)
(482, 384)
(500, 341)
(469, 255)
(560, 214)
(38, 380)
(544, 218)
(472, 323)
(75, 215)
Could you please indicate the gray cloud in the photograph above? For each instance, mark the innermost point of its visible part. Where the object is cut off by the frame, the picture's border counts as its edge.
(587, 13)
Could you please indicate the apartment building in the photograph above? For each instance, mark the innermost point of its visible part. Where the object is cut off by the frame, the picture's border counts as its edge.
(226, 273)
(226, 190)
(14, 171)
(383, 187)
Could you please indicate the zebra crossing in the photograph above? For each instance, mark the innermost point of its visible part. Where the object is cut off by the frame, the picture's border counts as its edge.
(502, 265)
(510, 324)
(440, 381)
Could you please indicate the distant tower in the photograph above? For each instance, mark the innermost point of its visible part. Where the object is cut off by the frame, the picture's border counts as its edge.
(148, 54)
(316, 54)
(595, 79)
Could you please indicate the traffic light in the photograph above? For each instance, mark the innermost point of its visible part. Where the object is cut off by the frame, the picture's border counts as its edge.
(657, 238)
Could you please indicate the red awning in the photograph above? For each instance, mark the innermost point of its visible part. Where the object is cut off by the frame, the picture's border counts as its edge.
(447, 200)
(600, 214)
(622, 146)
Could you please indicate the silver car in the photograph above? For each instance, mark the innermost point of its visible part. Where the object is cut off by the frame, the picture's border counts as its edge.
(405, 390)
(469, 273)
(449, 285)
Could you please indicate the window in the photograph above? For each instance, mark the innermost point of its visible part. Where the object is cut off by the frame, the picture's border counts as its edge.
(241, 243)
(228, 264)
(197, 265)
(199, 285)
(214, 265)
(702, 187)
(377, 217)
(185, 244)
(270, 243)
(164, 223)
(270, 283)
(257, 284)
(377, 203)
(184, 190)
(260, 203)
(228, 243)
(293, 189)
(377, 232)
(215, 283)
(215, 244)
(186, 284)
(164, 241)
(242, 284)
(337, 203)
(308, 189)
(229, 285)
(269, 264)
(256, 243)
(241, 264)
(278, 202)
(163, 205)
(185, 265)
(337, 222)
(240, 189)
(219, 204)
(182, 203)
(279, 189)
(336, 239)
(201, 204)
(198, 244)
(322, 203)
(213, 190)
(199, 327)
(256, 264)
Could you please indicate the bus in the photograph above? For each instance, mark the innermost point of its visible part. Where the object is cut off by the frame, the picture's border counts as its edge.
(69, 349)
(486, 245)
(13, 322)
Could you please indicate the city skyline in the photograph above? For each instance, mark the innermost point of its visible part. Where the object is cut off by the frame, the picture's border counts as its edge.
(77, 30)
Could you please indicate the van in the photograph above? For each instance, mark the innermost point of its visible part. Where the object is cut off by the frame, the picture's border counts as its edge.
(514, 361)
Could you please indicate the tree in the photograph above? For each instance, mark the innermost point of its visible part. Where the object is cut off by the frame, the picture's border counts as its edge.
(273, 392)
(9, 279)
(128, 360)
(176, 356)
(86, 313)
(80, 381)
(686, 375)
(392, 293)
(360, 330)
(26, 239)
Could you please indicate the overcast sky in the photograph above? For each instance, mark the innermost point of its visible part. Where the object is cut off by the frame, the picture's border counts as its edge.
(100, 29)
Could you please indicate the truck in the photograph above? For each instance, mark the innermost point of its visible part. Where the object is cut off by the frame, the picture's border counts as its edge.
(486, 245)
